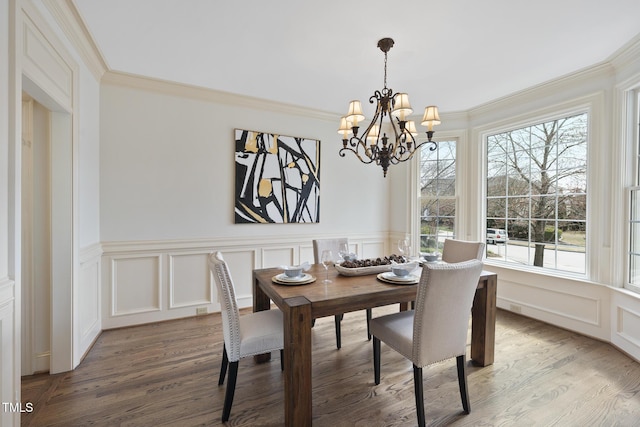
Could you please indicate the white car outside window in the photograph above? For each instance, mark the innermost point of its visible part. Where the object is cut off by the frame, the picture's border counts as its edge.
(496, 235)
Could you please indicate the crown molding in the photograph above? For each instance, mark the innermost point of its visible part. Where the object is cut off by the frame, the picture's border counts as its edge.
(182, 90)
(68, 18)
(627, 54)
(626, 62)
(624, 58)
(545, 89)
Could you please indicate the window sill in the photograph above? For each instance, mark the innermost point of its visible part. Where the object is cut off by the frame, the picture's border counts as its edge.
(537, 272)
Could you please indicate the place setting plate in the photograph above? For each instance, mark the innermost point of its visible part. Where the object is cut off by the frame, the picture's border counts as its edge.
(389, 277)
(303, 279)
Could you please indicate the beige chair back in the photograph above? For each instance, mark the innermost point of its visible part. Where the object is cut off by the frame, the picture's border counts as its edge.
(461, 250)
(333, 245)
(229, 305)
(443, 306)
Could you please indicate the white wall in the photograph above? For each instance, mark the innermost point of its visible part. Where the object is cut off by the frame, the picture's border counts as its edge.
(167, 196)
(167, 167)
(89, 160)
(9, 224)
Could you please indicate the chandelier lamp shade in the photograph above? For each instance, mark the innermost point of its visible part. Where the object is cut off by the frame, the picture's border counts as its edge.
(373, 145)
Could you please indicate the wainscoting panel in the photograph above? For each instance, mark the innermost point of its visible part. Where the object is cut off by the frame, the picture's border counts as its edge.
(629, 325)
(552, 301)
(189, 283)
(373, 249)
(625, 313)
(163, 280)
(88, 295)
(571, 303)
(275, 256)
(88, 323)
(306, 254)
(241, 263)
(136, 284)
(9, 345)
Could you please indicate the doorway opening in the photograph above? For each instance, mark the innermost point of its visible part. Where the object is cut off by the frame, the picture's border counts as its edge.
(36, 237)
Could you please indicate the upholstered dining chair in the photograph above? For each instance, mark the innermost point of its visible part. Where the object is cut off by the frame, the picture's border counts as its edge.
(436, 330)
(462, 250)
(245, 335)
(333, 245)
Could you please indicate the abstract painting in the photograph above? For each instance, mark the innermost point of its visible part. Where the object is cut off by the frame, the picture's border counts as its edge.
(277, 178)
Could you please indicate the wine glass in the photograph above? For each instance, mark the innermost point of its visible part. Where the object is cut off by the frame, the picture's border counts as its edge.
(327, 259)
(343, 251)
(403, 247)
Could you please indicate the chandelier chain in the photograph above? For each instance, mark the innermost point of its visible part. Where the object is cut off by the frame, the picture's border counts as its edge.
(385, 70)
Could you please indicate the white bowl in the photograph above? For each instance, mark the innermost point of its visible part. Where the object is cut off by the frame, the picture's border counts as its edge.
(402, 270)
(293, 271)
(431, 257)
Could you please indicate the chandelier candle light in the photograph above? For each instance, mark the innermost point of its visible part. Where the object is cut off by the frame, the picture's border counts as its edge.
(370, 147)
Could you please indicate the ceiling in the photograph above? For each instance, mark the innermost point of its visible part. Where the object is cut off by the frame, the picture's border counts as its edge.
(457, 54)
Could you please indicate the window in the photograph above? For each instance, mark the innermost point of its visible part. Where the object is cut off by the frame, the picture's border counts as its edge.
(633, 279)
(536, 191)
(437, 197)
(634, 239)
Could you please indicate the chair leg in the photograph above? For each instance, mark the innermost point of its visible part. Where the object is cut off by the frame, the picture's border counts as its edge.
(281, 359)
(223, 367)
(231, 388)
(462, 381)
(417, 385)
(338, 319)
(369, 315)
(376, 360)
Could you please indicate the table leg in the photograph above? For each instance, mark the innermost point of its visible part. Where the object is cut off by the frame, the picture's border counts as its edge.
(483, 323)
(261, 302)
(297, 362)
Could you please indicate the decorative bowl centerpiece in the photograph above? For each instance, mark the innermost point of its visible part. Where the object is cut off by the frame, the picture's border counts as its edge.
(361, 267)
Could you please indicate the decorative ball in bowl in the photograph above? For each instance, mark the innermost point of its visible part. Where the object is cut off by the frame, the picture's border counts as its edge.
(293, 271)
(431, 257)
(403, 269)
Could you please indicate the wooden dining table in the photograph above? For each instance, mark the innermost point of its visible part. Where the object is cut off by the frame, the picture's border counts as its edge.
(302, 304)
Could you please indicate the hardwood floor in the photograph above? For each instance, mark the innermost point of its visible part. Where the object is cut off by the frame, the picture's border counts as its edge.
(166, 375)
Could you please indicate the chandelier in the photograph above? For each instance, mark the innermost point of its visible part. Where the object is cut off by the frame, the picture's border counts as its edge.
(385, 150)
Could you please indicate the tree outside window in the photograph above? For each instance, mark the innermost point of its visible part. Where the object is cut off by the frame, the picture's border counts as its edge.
(437, 201)
(537, 192)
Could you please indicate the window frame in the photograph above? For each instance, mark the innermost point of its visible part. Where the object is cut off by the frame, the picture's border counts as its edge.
(552, 113)
(631, 134)
(415, 217)
(450, 198)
